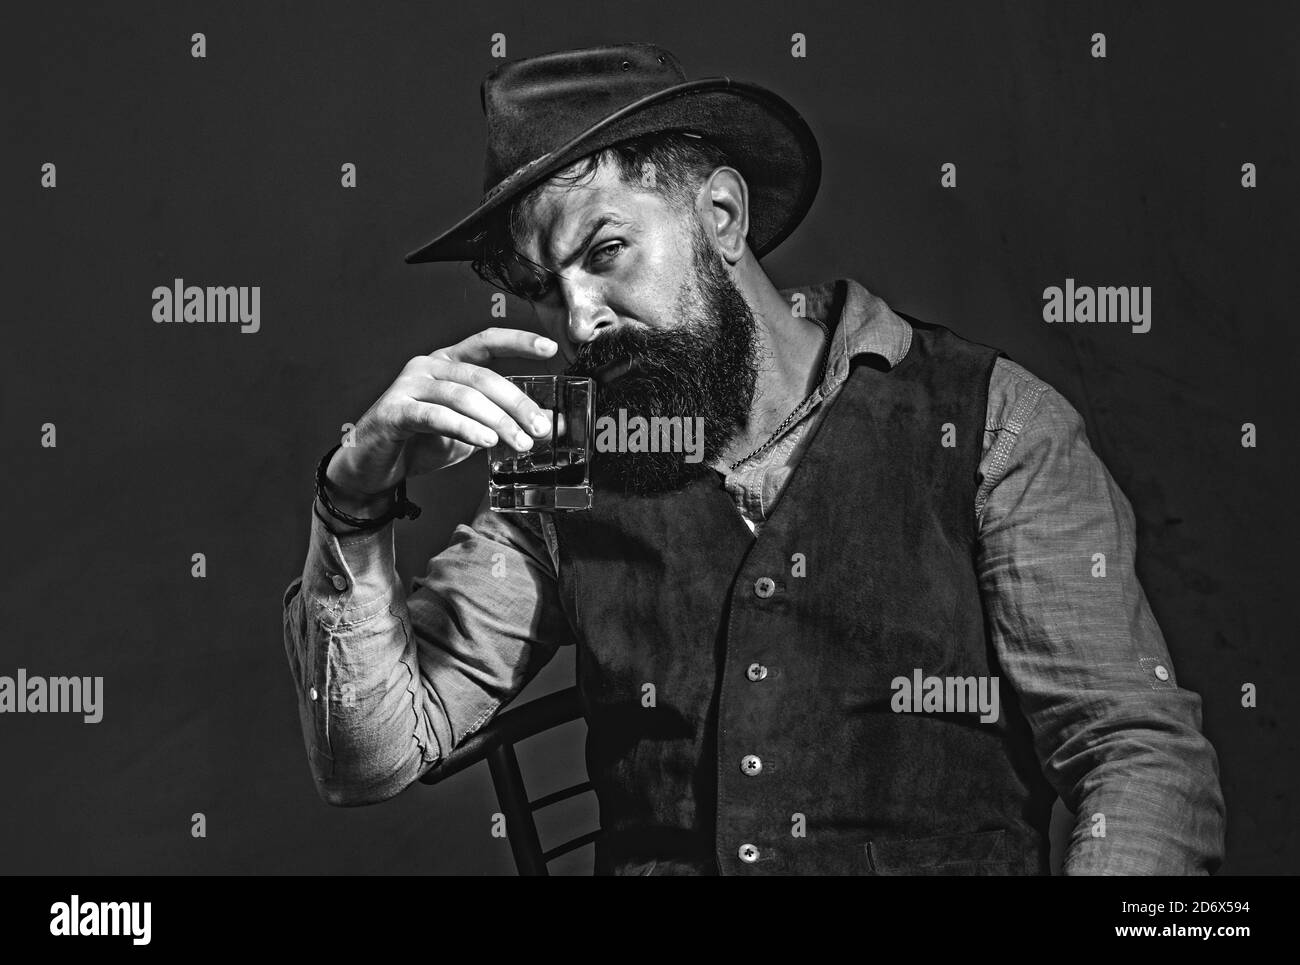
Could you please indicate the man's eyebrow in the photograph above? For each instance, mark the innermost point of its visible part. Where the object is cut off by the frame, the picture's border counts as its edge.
(608, 218)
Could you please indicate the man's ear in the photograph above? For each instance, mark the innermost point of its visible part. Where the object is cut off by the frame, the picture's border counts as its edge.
(726, 196)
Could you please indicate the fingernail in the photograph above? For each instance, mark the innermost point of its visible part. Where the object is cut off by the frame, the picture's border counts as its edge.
(545, 345)
(523, 442)
(541, 424)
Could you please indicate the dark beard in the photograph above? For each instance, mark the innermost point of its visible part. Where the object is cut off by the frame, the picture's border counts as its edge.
(706, 367)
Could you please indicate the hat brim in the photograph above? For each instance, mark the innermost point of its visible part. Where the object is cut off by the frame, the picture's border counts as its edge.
(770, 144)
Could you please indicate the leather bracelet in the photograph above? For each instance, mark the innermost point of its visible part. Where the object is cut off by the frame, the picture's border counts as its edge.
(401, 508)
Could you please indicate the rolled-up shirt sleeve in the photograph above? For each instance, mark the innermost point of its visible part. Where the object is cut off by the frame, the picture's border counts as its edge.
(389, 680)
(1116, 735)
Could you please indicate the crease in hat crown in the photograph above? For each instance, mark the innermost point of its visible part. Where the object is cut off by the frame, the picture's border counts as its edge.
(510, 89)
(547, 111)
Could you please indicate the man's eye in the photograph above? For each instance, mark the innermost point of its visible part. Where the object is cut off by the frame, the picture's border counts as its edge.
(597, 255)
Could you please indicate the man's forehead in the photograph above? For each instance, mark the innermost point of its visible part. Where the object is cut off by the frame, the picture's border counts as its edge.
(557, 217)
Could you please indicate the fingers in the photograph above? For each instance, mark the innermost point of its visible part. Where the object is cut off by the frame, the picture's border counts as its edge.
(455, 383)
(483, 394)
(497, 405)
(498, 343)
(559, 422)
(416, 416)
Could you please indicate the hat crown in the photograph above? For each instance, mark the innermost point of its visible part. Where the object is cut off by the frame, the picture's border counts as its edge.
(544, 113)
(536, 104)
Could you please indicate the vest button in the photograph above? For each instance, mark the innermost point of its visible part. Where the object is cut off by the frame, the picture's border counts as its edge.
(764, 587)
(1161, 672)
(751, 764)
(756, 671)
(748, 853)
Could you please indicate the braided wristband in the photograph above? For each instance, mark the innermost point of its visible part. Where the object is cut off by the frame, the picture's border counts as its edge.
(401, 508)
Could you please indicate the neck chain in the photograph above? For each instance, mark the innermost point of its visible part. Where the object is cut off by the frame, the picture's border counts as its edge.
(785, 423)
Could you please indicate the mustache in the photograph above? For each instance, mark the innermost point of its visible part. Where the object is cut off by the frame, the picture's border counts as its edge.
(640, 351)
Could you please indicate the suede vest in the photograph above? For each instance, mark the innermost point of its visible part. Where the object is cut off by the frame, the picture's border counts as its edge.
(741, 694)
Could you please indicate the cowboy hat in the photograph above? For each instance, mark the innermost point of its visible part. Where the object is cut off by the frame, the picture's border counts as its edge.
(546, 112)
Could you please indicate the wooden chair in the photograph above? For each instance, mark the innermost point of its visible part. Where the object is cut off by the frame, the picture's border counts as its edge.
(495, 743)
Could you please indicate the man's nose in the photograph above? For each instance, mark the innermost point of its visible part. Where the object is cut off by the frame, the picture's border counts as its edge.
(588, 318)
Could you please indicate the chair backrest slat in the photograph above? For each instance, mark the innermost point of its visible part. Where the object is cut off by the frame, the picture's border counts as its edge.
(495, 743)
(558, 796)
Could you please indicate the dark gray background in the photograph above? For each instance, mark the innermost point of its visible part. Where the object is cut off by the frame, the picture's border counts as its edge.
(175, 439)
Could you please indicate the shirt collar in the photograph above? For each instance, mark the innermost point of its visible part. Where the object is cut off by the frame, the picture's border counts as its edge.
(860, 323)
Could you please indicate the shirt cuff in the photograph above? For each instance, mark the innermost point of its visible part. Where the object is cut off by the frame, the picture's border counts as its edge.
(349, 579)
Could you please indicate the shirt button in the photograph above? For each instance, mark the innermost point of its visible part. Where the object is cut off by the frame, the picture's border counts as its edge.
(313, 694)
(748, 853)
(1161, 672)
(751, 764)
(764, 587)
(340, 582)
(756, 671)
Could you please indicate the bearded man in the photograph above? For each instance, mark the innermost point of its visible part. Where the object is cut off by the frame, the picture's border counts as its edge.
(880, 500)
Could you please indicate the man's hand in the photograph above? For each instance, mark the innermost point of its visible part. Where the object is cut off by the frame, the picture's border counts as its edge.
(441, 409)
